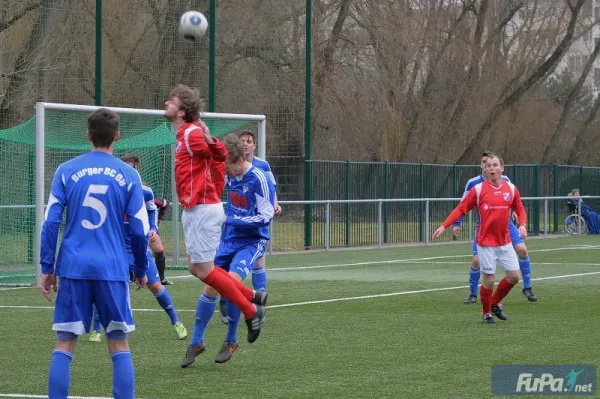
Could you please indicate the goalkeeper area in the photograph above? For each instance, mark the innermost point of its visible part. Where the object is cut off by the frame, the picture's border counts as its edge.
(380, 323)
(31, 152)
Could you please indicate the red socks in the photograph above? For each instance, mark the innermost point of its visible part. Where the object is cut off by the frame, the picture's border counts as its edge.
(485, 294)
(502, 290)
(221, 281)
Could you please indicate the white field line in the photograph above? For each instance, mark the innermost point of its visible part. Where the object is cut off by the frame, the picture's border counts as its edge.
(286, 305)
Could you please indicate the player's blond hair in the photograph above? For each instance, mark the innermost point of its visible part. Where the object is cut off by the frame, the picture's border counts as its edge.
(191, 103)
(235, 147)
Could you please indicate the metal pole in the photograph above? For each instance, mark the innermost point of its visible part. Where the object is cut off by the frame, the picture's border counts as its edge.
(579, 217)
(175, 207)
(327, 225)
(379, 223)
(308, 128)
(212, 54)
(98, 83)
(545, 217)
(427, 222)
(271, 230)
(470, 226)
(39, 187)
(262, 139)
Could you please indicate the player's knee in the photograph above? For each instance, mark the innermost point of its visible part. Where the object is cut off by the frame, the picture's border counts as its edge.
(260, 263)
(475, 264)
(155, 288)
(210, 291)
(157, 246)
(521, 250)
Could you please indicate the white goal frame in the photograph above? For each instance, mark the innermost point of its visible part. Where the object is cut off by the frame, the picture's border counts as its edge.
(40, 200)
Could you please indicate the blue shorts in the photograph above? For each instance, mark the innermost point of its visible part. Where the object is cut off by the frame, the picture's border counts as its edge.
(74, 299)
(152, 272)
(240, 256)
(514, 237)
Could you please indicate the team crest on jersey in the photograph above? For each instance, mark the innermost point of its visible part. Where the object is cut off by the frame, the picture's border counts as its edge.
(507, 196)
(244, 189)
(178, 147)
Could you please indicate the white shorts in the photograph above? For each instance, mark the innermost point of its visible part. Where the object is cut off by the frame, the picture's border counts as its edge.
(504, 255)
(202, 231)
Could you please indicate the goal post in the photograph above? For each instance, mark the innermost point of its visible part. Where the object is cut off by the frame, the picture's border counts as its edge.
(60, 135)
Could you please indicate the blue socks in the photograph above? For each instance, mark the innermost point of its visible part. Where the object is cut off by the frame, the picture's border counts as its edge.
(259, 279)
(204, 311)
(525, 266)
(233, 314)
(474, 281)
(165, 301)
(60, 374)
(123, 376)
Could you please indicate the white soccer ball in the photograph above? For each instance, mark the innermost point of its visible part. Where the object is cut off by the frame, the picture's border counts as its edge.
(193, 25)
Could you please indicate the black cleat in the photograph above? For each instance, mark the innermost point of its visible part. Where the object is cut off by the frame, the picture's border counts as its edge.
(498, 312)
(226, 352)
(528, 292)
(166, 282)
(470, 300)
(488, 319)
(223, 311)
(255, 323)
(191, 353)
(260, 298)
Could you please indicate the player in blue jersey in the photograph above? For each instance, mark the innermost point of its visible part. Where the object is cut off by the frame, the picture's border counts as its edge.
(259, 274)
(97, 189)
(249, 210)
(517, 242)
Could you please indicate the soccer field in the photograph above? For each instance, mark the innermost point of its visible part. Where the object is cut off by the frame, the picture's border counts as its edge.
(386, 323)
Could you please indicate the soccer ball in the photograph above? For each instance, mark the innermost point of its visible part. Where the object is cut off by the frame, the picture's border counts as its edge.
(193, 25)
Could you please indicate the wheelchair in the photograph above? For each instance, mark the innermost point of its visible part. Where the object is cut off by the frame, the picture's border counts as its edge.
(574, 223)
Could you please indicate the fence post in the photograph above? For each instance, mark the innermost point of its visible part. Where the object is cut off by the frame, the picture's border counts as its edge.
(385, 196)
(271, 231)
(421, 195)
(379, 224)
(327, 224)
(579, 201)
(581, 179)
(545, 217)
(470, 226)
(347, 203)
(427, 222)
(556, 194)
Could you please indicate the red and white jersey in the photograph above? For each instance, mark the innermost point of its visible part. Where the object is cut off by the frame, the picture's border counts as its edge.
(494, 204)
(193, 156)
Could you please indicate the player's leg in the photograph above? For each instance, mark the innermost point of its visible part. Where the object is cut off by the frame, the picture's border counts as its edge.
(202, 230)
(204, 311)
(163, 297)
(72, 316)
(474, 275)
(487, 264)
(507, 259)
(95, 334)
(524, 262)
(243, 262)
(113, 303)
(158, 250)
(259, 276)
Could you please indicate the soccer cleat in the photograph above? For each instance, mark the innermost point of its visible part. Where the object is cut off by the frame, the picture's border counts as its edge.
(471, 299)
(95, 336)
(226, 352)
(223, 312)
(191, 353)
(166, 282)
(488, 319)
(528, 292)
(260, 298)
(498, 312)
(180, 330)
(255, 323)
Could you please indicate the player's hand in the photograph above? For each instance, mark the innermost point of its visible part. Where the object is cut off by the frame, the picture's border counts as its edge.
(140, 282)
(207, 137)
(523, 232)
(456, 231)
(153, 236)
(438, 232)
(277, 209)
(48, 280)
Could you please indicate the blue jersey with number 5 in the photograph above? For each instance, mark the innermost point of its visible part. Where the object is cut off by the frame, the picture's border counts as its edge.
(97, 189)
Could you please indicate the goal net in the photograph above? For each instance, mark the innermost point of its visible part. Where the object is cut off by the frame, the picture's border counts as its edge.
(31, 152)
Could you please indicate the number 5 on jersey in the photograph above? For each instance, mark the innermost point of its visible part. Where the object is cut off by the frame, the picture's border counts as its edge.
(95, 204)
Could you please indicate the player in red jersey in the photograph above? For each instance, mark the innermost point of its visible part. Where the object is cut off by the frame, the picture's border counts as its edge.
(203, 214)
(494, 200)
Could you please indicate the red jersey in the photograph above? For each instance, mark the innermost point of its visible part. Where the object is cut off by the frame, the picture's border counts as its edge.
(193, 156)
(494, 205)
(218, 176)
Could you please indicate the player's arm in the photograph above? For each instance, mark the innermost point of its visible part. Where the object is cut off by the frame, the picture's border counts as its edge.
(151, 208)
(265, 204)
(458, 223)
(57, 201)
(218, 175)
(468, 203)
(137, 216)
(519, 209)
(207, 144)
(271, 177)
